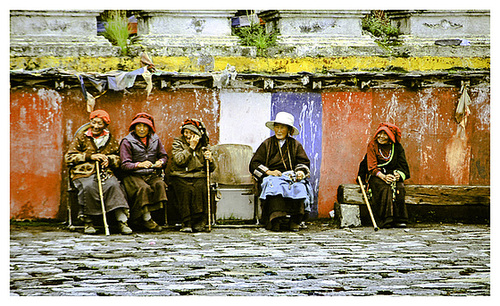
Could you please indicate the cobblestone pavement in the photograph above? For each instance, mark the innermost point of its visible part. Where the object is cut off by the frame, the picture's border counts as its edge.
(425, 260)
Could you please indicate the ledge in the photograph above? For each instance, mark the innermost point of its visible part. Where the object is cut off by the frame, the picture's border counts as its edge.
(205, 63)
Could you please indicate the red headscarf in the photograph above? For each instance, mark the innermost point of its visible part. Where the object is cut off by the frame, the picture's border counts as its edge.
(143, 118)
(100, 114)
(392, 131)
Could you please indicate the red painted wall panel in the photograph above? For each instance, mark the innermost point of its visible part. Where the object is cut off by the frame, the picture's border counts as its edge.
(35, 152)
(346, 118)
(478, 126)
(44, 121)
(435, 152)
(169, 110)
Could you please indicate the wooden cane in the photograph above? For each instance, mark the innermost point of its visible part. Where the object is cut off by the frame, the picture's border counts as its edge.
(208, 188)
(375, 227)
(99, 183)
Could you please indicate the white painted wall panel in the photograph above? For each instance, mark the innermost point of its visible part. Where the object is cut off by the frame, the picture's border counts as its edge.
(243, 116)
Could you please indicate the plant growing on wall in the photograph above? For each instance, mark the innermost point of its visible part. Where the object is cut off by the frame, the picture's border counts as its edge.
(116, 30)
(255, 35)
(380, 26)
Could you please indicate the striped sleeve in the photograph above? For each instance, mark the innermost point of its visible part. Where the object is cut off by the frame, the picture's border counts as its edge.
(260, 171)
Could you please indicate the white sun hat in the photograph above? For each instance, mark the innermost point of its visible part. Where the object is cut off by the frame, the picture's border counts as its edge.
(284, 118)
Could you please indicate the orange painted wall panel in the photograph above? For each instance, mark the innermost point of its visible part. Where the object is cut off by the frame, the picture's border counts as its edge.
(478, 126)
(43, 123)
(435, 151)
(35, 143)
(346, 117)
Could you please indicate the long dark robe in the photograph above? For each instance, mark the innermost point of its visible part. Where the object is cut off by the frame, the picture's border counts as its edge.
(145, 188)
(188, 179)
(268, 156)
(388, 202)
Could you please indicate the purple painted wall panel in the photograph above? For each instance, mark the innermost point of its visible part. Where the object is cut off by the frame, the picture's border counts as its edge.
(307, 110)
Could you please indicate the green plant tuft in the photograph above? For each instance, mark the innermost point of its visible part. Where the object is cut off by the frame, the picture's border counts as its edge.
(117, 30)
(380, 26)
(255, 35)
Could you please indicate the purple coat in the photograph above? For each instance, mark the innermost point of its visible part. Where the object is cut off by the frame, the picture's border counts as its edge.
(133, 151)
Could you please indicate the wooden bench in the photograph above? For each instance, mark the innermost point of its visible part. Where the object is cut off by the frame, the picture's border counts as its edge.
(447, 197)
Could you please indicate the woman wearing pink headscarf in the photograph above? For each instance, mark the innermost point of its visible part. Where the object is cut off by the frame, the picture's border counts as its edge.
(91, 146)
(143, 158)
(385, 169)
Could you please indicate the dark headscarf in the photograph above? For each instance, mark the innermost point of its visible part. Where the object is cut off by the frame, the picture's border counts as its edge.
(196, 126)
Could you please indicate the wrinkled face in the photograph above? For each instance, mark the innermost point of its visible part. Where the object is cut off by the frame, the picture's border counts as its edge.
(383, 138)
(141, 129)
(188, 134)
(97, 125)
(281, 130)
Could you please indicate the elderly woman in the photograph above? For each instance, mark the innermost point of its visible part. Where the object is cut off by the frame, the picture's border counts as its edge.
(387, 169)
(143, 158)
(280, 166)
(188, 175)
(94, 147)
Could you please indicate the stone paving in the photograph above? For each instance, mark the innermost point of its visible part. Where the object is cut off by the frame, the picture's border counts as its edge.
(423, 260)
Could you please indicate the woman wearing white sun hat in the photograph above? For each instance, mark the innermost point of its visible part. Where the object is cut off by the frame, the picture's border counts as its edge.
(280, 166)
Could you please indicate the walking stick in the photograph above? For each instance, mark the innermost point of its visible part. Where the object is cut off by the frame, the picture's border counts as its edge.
(208, 188)
(99, 183)
(375, 227)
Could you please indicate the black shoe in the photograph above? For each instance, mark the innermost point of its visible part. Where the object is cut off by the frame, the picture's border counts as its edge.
(186, 229)
(400, 225)
(151, 226)
(200, 226)
(124, 228)
(89, 229)
(275, 225)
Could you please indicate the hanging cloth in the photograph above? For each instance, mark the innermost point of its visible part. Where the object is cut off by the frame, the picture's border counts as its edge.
(462, 111)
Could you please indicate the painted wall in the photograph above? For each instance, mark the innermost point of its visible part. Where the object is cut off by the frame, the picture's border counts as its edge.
(346, 126)
(243, 115)
(36, 150)
(307, 110)
(335, 129)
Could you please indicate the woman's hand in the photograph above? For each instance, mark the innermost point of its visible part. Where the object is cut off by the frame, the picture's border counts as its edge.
(388, 178)
(158, 164)
(273, 172)
(101, 158)
(300, 175)
(208, 155)
(397, 175)
(145, 164)
(193, 141)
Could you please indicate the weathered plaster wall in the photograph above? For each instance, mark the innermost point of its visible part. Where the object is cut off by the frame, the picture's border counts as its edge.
(36, 149)
(243, 115)
(346, 118)
(335, 129)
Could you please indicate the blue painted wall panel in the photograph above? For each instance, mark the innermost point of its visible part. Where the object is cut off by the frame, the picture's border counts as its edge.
(307, 110)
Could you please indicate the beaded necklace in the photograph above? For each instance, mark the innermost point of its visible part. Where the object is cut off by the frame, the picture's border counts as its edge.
(383, 156)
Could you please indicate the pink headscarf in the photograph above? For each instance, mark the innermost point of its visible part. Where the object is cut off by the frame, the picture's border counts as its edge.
(143, 118)
(99, 113)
